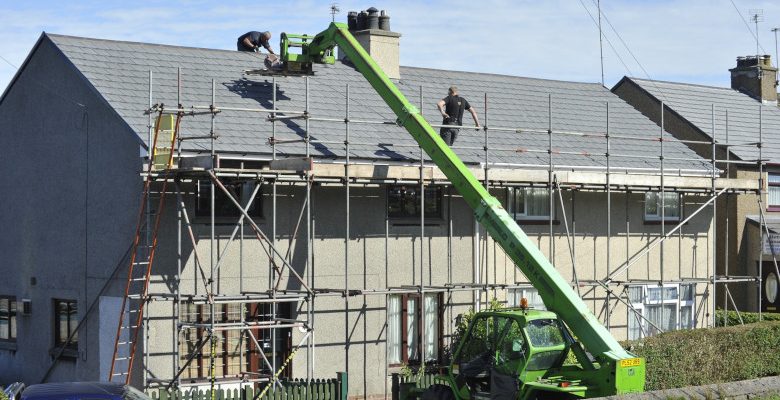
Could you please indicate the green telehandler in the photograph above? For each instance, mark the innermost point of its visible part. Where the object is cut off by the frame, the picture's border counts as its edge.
(513, 353)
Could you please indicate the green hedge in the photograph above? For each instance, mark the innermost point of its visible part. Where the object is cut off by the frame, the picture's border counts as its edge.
(747, 317)
(705, 356)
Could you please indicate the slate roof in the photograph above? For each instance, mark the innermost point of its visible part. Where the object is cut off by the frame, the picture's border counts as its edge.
(119, 71)
(694, 103)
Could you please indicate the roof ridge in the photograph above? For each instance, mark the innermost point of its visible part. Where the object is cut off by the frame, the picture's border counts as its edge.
(505, 75)
(56, 35)
(684, 84)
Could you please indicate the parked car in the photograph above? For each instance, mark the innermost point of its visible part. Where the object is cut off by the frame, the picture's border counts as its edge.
(14, 390)
(82, 391)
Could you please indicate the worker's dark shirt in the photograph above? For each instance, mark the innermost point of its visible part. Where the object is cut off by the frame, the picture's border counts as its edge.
(454, 106)
(255, 37)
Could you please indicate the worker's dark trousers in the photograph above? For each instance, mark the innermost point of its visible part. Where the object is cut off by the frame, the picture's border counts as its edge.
(241, 47)
(448, 135)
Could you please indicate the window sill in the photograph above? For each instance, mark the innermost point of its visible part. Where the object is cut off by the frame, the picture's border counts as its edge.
(8, 345)
(415, 222)
(537, 222)
(658, 221)
(67, 354)
(773, 208)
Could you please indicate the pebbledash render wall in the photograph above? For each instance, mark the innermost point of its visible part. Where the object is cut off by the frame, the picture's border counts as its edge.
(388, 255)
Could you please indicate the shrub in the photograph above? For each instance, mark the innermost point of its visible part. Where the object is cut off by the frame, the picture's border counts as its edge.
(747, 317)
(705, 356)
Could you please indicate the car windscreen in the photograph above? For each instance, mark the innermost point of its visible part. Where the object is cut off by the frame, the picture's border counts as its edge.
(544, 333)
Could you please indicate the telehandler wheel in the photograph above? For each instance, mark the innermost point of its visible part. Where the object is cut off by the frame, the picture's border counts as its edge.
(438, 392)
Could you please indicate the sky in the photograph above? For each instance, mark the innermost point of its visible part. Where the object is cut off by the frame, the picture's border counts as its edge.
(693, 41)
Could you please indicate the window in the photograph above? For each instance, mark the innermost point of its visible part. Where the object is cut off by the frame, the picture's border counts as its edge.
(529, 203)
(65, 321)
(236, 351)
(668, 308)
(671, 206)
(223, 206)
(404, 328)
(403, 201)
(530, 294)
(7, 318)
(773, 200)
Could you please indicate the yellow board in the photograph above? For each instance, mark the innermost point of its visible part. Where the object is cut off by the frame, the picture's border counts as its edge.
(630, 362)
(162, 151)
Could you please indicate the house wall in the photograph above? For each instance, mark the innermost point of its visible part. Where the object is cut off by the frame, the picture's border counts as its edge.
(69, 189)
(735, 255)
(350, 333)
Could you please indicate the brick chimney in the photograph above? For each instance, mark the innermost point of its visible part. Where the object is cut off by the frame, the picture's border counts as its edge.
(756, 77)
(372, 31)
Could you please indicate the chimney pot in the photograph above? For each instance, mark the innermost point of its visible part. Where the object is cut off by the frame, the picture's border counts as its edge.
(361, 20)
(384, 21)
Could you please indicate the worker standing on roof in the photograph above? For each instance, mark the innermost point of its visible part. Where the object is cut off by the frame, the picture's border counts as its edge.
(451, 109)
(251, 41)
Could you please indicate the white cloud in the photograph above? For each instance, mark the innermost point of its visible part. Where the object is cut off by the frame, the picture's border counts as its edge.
(694, 41)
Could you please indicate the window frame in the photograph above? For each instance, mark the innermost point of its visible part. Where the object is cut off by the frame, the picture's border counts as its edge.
(511, 195)
(515, 294)
(656, 218)
(645, 329)
(71, 309)
(203, 197)
(249, 358)
(13, 319)
(414, 218)
(420, 321)
(769, 186)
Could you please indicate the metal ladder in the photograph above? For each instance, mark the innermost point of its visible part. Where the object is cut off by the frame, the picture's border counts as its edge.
(144, 247)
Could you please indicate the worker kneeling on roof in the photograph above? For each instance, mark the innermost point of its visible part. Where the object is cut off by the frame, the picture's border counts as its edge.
(451, 109)
(251, 41)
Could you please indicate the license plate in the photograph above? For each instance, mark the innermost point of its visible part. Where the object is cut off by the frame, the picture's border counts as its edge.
(630, 362)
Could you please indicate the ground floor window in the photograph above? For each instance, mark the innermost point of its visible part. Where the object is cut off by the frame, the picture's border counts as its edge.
(529, 293)
(407, 318)
(660, 308)
(237, 350)
(7, 318)
(65, 321)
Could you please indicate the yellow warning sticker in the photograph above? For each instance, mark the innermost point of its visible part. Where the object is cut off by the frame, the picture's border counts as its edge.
(630, 362)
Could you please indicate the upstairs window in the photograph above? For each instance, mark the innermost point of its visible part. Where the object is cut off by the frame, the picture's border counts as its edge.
(403, 202)
(671, 206)
(529, 203)
(773, 195)
(223, 206)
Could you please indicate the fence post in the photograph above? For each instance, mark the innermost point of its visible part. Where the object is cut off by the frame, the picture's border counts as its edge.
(343, 385)
(396, 384)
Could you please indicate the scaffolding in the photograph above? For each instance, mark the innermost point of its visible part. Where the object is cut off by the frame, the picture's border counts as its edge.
(276, 172)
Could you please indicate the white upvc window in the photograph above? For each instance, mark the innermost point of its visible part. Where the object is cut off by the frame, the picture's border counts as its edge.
(530, 294)
(671, 206)
(529, 203)
(773, 195)
(660, 308)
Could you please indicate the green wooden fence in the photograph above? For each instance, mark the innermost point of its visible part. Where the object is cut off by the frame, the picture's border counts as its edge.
(293, 389)
(420, 382)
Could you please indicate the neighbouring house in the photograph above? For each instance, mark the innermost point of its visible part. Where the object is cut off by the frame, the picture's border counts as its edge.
(737, 119)
(388, 253)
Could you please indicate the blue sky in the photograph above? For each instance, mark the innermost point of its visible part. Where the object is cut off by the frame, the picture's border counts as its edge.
(692, 41)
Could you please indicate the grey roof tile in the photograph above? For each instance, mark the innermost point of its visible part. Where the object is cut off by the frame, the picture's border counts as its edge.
(695, 103)
(119, 71)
